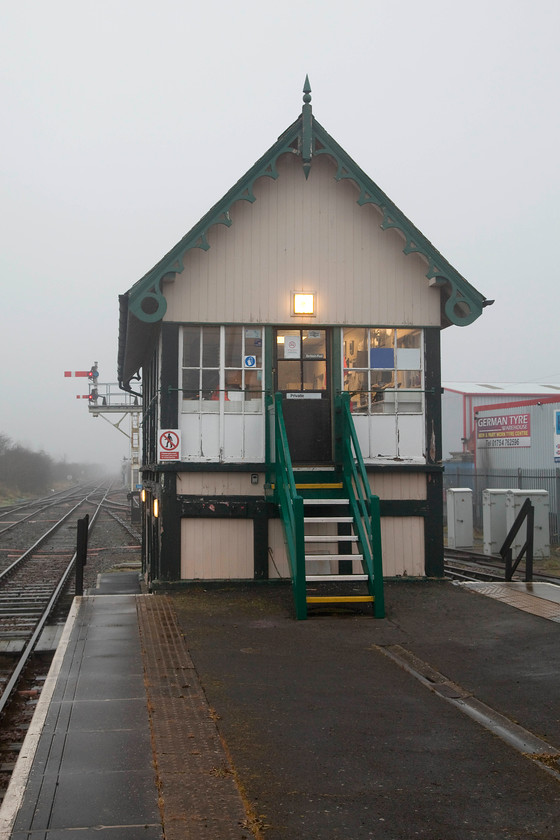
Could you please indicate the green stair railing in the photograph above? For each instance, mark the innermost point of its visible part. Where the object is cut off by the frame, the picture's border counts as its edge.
(363, 504)
(291, 505)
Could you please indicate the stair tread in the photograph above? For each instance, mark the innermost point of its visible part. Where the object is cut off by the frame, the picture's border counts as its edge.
(339, 599)
(323, 519)
(320, 501)
(334, 557)
(330, 538)
(335, 578)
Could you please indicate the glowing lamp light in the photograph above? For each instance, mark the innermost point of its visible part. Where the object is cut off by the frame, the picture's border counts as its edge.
(156, 508)
(303, 303)
(143, 494)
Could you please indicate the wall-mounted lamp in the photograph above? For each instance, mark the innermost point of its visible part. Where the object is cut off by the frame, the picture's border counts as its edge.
(156, 508)
(143, 494)
(304, 303)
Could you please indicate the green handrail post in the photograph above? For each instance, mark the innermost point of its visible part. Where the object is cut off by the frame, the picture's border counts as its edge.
(379, 602)
(300, 589)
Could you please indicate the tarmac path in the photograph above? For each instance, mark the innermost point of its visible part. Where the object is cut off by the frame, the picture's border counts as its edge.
(331, 739)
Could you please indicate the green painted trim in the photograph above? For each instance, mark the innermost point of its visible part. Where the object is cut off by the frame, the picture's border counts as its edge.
(145, 299)
(307, 138)
(462, 296)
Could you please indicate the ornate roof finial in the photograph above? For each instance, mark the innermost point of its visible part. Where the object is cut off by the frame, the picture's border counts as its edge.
(307, 130)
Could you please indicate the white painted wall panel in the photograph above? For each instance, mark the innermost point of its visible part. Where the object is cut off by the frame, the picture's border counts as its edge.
(302, 234)
(216, 549)
(405, 485)
(402, 540)
(383, 436)
(411, 435)
(189, 425)
(278, 566)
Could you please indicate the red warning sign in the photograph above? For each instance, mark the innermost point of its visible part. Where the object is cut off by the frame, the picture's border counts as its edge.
(169, 445)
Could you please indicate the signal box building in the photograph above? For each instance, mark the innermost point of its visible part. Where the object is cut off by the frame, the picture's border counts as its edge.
(289, 345)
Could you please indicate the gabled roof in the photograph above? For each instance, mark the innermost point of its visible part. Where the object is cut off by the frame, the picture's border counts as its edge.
(145, 301)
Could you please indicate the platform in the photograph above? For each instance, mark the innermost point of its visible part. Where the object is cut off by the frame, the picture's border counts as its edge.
(213, 713)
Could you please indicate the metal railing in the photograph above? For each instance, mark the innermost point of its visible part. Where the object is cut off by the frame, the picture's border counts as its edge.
(527, 513)
(363, 504)
(291, 505)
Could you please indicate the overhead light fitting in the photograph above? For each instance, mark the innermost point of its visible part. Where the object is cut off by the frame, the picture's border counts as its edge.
(304, 303)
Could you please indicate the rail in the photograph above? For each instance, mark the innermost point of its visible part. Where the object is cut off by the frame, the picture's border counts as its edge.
(291, 505)
(363, 504)
(527, 513)
(38, 629)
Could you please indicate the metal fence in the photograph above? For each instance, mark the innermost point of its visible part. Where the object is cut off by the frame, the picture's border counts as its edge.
(464, 475)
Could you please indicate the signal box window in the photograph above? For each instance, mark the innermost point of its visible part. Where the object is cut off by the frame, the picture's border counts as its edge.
(222, 370)
(383, 370)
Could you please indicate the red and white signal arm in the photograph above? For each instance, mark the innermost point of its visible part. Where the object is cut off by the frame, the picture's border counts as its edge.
(169, 445)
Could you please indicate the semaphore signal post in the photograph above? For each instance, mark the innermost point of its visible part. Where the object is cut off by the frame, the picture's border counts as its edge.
(105, 399)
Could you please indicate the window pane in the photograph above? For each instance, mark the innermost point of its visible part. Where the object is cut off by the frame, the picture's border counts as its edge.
(409, 338)
(408, 359)
(382, 338)
(314, 376)
(191, 347)
(383, 395)
(253, 345)
(358, 386)
(289, 376)
(283, 350)
(253, 384)
(234, 380)
(210, 385)
(355, 348)
(409, 395)
(210, 347)
(233, 346)
(409, 379)
(314, 344)
(190, 384)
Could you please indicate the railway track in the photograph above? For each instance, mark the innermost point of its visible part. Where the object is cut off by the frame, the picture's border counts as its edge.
(460, 564)
(37, 560)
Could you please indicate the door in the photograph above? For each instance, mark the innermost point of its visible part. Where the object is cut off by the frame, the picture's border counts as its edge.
(303, 377)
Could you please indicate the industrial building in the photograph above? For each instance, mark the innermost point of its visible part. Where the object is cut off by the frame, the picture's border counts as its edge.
(501, 425)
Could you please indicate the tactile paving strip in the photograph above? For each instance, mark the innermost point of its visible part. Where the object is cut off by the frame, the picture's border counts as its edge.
(198, 793)
(515, 597)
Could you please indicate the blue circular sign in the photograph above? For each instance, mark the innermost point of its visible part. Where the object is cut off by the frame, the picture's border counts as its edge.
(250, 361)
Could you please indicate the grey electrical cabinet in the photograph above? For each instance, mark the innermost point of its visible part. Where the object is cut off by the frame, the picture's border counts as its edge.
(540, 502)
(494, 525)
(459, 517)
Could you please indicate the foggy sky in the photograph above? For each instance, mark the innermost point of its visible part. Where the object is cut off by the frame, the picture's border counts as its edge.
(124, 122)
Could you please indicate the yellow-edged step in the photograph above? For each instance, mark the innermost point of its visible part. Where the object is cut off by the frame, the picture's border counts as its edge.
(337, 599)
(337, 485)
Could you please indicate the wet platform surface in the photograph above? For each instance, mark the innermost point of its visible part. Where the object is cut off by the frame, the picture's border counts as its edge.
(213, 713)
